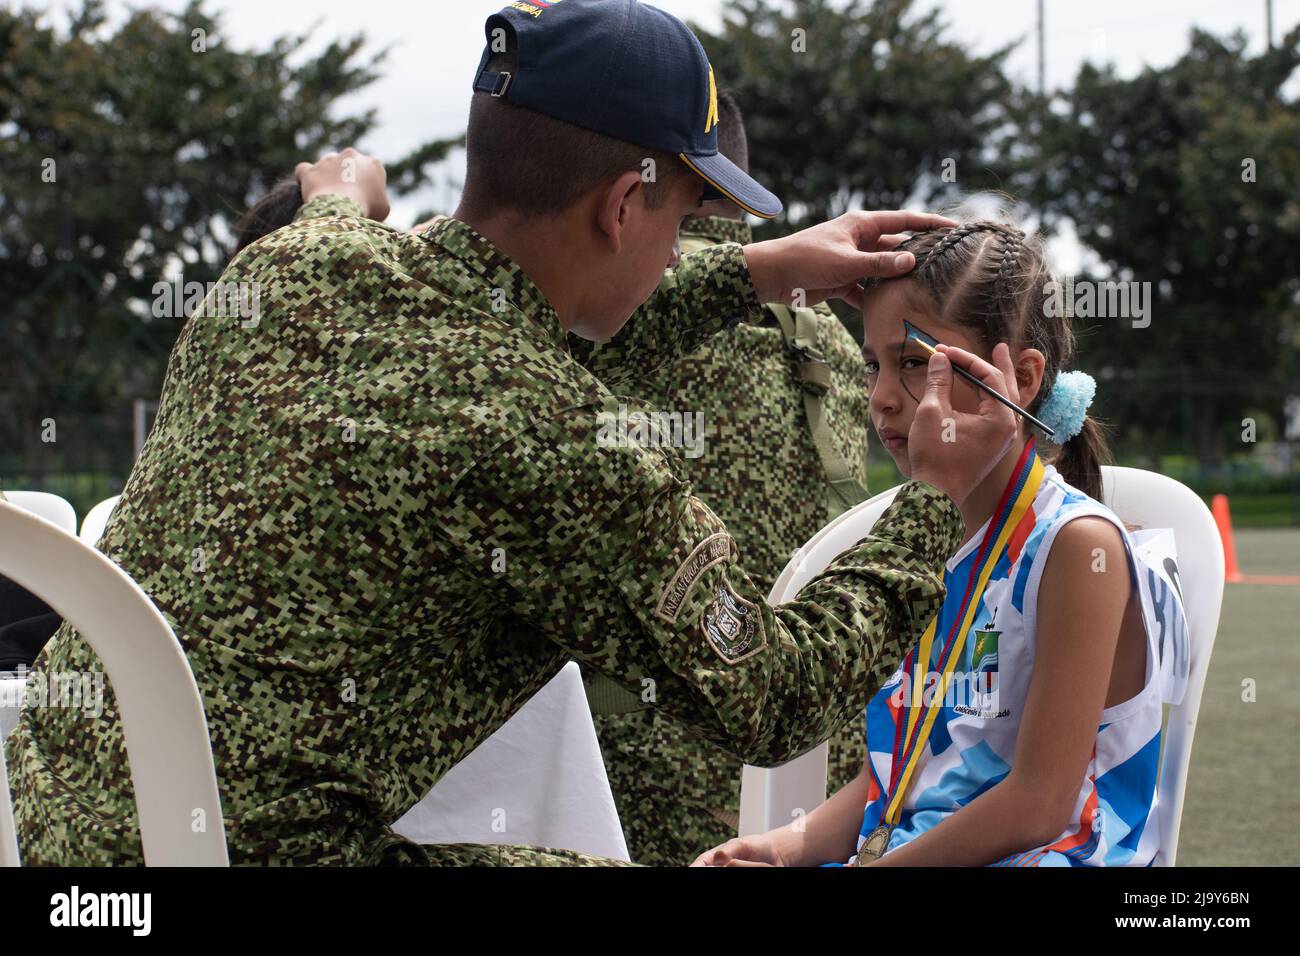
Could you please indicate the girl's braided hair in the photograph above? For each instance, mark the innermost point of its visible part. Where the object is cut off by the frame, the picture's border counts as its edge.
(991, 277)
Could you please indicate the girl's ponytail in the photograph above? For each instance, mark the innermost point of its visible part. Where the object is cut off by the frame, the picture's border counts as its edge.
(1081, 458)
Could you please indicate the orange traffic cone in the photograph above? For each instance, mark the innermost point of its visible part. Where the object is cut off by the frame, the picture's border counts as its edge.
(1223, 518)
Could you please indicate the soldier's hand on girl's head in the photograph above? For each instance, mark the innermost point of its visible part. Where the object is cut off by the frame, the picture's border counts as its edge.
(353, 174)
(954, 451)
(827, 260)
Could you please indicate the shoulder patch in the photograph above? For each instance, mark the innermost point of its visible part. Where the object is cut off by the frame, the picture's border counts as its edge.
(714, 549)
(732, 625)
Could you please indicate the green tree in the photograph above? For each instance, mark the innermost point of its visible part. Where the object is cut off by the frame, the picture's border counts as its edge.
(861, 105)
(125, 155)
(1187, 177)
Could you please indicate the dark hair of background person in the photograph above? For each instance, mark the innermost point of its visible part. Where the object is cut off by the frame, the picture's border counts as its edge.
(733, 143)
(273, 211)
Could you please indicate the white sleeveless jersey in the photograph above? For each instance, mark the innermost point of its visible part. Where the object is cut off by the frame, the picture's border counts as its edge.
(973, 741)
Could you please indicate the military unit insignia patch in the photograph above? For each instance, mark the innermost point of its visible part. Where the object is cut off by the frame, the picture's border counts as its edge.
(732, 625)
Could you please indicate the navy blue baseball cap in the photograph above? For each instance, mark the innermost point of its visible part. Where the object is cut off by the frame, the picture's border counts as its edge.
(624, 69)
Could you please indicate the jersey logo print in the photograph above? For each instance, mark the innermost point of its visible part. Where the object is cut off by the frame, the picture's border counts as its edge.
(986, 658)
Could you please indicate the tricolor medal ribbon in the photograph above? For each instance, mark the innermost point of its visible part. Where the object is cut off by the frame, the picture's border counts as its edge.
(1017, 499)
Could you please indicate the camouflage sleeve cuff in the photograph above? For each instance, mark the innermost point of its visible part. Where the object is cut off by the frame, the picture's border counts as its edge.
(718, 277)
(329, 204)
(709, 291)
(925, 521)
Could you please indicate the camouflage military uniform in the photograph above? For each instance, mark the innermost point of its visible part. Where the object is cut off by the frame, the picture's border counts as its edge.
(762, 475)
(378, 521)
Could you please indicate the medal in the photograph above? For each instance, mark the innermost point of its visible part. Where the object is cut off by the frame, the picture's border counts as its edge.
(874, 847)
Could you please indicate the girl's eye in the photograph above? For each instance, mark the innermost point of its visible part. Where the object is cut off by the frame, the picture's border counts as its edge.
(911, 362)
(873, 368)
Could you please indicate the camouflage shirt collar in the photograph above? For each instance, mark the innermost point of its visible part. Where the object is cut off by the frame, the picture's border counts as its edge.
(719, 229)
(498, 271)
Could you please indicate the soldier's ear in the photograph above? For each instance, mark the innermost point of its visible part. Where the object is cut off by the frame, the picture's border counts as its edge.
(618, 202)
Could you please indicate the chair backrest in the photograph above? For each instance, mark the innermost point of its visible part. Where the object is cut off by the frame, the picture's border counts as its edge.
(48, 506)
(162, 715)
(92, 526)
(1150, 500)
(1139, 498)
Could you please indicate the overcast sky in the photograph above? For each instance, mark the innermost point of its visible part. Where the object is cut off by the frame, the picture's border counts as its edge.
(435, 47)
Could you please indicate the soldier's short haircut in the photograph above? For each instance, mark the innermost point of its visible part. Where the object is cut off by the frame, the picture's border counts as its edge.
(732, 141)
(521, 161)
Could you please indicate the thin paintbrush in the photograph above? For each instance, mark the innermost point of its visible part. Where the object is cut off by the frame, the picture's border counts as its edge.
(912, 332)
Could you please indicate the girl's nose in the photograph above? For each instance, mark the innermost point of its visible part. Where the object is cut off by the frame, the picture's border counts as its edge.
(885, 394)
(676, 256)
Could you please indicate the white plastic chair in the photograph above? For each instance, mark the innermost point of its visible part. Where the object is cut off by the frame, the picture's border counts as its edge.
(770, 797)
(48, 506)
(162, 715)
(92, 526)
(1150, 500)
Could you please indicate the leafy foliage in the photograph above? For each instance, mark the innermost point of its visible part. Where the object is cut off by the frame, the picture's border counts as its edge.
(1187, 177)
(125, 155)
(857, 105)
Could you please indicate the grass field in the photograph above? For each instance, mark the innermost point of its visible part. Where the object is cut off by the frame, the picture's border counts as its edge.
(1243, 791)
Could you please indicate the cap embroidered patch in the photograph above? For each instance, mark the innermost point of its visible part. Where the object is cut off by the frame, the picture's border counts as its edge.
(711, 120)
(533, 8)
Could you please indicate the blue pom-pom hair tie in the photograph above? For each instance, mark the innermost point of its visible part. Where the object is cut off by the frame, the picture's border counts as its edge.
(929, 343)
(1067, 404)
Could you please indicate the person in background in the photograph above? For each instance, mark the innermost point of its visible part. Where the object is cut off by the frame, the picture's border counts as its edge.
(26, 623)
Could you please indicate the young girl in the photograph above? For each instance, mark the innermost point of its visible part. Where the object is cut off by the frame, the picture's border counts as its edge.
(1024, 730)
